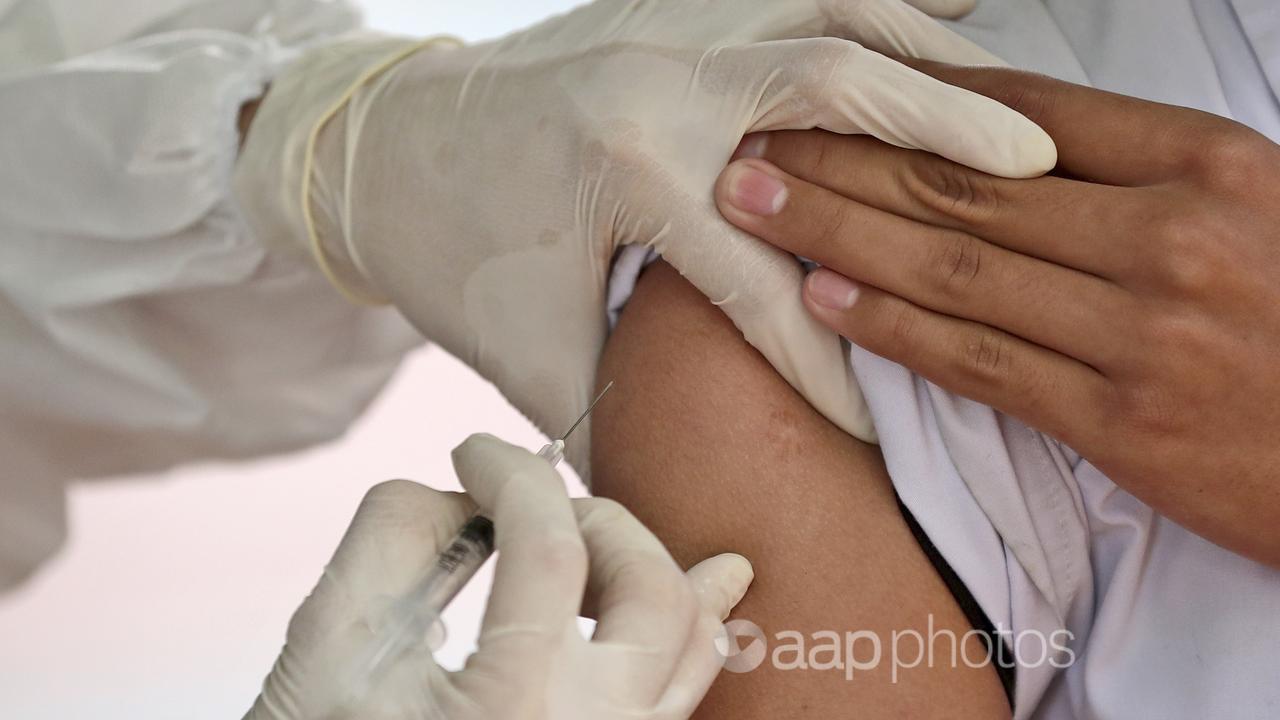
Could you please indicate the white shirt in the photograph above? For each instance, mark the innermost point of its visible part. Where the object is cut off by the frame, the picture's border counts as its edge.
(1165, 624)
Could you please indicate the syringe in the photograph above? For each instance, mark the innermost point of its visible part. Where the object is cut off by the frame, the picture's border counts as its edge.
(416, 614)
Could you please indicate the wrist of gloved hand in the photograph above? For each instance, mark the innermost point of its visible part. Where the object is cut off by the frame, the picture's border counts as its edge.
(276, 166)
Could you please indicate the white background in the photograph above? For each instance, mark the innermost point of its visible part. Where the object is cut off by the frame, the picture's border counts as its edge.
(172, 596)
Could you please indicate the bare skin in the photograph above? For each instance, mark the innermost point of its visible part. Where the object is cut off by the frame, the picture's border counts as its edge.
(711, 449)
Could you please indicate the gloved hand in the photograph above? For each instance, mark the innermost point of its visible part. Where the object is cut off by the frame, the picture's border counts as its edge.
(485, 190)
(653, 655)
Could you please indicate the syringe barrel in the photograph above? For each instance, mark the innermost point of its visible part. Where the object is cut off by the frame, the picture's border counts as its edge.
(414, 614)
(456, 565)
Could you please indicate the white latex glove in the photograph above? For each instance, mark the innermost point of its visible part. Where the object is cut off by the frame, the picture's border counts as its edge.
(653, 655)
(485, 190)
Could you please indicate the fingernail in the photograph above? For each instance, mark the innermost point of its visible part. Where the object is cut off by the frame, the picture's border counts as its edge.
(754, 191)
(752, 146)
(832, 290)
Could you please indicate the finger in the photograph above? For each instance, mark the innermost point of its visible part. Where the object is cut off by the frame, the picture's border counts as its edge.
(645, 605)
(845, 88)
(542, 563)
(943, 270)
(721, 582)
(703, 659)
(1101, 136)
(398, 529)
(1045, 389)
(1051, 218)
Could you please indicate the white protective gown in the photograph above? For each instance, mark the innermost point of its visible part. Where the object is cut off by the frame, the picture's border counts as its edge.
(140, 326)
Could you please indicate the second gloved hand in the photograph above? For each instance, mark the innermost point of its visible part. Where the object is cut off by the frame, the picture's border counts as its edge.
(486, 189)
(653, 654)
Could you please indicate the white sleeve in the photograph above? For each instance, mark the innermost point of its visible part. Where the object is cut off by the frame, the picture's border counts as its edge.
(140, 324)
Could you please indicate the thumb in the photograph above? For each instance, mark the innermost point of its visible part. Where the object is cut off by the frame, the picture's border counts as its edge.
(721, 582)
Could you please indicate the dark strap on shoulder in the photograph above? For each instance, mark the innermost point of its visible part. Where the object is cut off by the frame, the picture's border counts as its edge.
(997, 647)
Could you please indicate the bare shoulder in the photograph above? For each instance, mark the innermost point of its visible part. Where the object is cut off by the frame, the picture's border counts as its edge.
(715, 452)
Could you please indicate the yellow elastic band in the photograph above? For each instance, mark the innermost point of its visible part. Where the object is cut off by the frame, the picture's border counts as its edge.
(317, 249)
